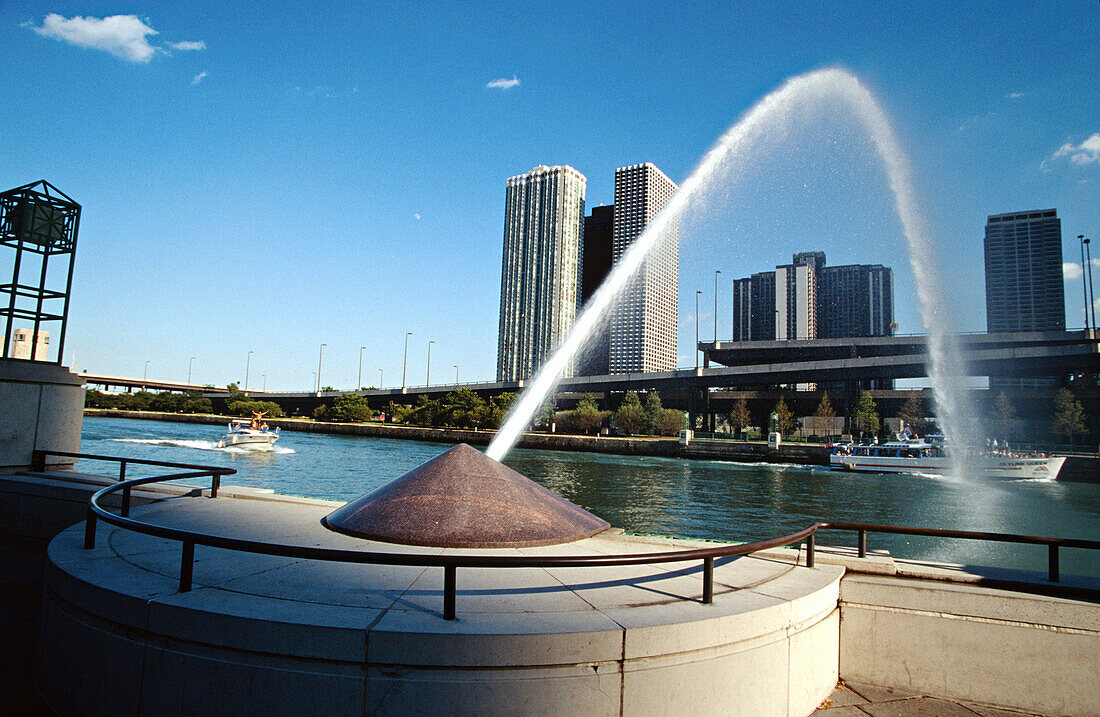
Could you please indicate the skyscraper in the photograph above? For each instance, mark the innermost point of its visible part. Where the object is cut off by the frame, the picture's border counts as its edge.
(807, 299)
(643, 323)
(540, 285)
(1024, 288)
(595, 265)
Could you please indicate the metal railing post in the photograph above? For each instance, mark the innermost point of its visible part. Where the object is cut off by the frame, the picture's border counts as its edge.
(38, 460)
(1052, 561)
(187, 565)
(215, 483)
(449, 590)
(708, 581)
(863, 543)
(89, 530)
(126, 501)
(810, 540)
(122, 470)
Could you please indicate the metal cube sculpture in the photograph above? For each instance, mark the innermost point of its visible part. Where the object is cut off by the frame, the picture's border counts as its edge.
(40, 223)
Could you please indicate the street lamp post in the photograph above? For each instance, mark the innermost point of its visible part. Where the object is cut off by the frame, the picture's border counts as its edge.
(405, 359)
(716, 273)
(189, 369)
(697, 293)
(428, 372)
(456, 374)
(359, 380)
(145, 376)
(247, 365)
(1084, 281)
(379, 378)
(264, 389)
(1092, 299)
(320, 355)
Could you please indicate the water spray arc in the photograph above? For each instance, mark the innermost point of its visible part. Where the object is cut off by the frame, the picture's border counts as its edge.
(774, 110)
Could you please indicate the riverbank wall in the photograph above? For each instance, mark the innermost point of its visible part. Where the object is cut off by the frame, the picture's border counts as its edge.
(1078, 468)
(805, 454)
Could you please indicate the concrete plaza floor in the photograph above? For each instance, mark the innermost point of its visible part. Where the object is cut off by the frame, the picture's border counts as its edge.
(859, 700)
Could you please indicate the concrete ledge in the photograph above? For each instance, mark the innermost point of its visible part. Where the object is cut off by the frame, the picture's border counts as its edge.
(284, 635)
(966, 642)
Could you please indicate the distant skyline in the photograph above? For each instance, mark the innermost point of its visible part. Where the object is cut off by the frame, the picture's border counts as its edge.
(271, 179)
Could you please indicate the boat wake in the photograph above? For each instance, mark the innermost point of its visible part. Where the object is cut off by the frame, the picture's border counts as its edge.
(204, 445)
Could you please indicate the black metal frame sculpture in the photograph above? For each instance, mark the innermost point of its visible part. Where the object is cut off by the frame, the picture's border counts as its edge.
(40, 219)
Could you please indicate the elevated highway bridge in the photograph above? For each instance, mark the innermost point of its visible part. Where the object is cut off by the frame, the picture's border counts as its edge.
(749, 365)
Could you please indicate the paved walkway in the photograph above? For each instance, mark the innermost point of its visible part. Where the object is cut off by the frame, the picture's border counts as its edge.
(859, 700)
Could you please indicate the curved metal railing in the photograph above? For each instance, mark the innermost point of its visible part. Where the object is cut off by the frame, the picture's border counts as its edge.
(451, 562)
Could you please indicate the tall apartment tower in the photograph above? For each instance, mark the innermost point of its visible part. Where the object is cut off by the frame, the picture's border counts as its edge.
(795, 302)
(643, 324)
(540, 284)
(596, 259)
(807, 299)
(1024, 288)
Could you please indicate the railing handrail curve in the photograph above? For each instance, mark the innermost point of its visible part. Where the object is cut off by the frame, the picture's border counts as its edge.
(451, 562)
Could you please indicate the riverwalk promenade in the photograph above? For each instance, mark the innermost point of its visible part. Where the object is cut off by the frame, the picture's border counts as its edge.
(851, 636)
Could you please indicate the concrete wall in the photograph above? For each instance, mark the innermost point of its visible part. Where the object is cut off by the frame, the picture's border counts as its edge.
(1012, 649)
(41, 408)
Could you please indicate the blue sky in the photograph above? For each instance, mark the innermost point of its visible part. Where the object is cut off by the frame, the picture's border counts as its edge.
(271, 177)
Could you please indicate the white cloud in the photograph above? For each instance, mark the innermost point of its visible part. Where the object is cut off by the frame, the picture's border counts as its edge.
(1014, 95)
(121, 35)
(1071, 271)
(971, 122)
(198, 78)
(187, 45)
(503, 83)
(417, 216)
(1088, 152)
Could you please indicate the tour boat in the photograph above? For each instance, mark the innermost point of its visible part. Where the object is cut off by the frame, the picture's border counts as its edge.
(909, 454)
(248, 434)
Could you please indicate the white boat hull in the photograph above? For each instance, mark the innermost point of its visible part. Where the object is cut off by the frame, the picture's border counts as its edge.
(991, 466)
(248, 439)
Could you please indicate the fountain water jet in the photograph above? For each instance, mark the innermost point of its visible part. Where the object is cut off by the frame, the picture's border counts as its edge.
(945, 368)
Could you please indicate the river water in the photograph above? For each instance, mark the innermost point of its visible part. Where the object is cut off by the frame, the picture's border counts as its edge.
(715, 500)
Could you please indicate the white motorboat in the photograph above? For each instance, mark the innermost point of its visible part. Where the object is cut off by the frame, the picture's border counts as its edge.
(248, 434)
(929, 454)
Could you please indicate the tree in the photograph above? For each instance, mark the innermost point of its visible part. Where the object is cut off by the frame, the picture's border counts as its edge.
(1003, 412)
(462, 408)
(669, 422)
(740, 418)
(784, 416)
(822, 416)
(587, 416)
(497, 409)
(546, 415)
(1069, 417)
(350, 408)
(866, 418)
(652, 411)
(631, 416)
(912, 412)
(247, 408)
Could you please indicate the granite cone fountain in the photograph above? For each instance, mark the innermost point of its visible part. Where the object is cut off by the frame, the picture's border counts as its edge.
(464, 499)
